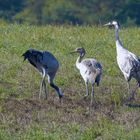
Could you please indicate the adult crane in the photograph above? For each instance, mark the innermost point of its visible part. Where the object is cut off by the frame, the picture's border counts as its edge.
(47, 65)
(127, 61)
(90, 70)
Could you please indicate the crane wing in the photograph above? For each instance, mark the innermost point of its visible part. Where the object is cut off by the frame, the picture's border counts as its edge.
(92, 65)
(48, 60)
(91, 69)
(131, 64)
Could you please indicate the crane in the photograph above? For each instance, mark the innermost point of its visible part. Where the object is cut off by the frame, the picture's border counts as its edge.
(47, 65)
(128, 62)
(90, 70)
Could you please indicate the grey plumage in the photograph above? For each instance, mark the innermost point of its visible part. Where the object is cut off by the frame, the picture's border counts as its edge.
(128, 62)
(90, 70)
(47, 65)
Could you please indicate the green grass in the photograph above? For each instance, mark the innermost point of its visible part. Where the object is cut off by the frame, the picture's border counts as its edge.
(24, 117)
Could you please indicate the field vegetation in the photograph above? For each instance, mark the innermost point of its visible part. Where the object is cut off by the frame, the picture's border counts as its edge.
(24, 117)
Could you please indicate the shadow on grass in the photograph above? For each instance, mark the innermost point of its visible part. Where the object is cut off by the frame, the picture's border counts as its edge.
(133, 105)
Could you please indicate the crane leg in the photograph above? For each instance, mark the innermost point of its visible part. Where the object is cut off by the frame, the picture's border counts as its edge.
(128, 87)
(42, 82)
(87, 92)
(41, 85)
(46, 93)
(129, 93)
(57, 89)
(132, 95)
(92, 95)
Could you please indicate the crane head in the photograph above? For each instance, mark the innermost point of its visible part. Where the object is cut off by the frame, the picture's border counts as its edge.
(112, 23)
(81, 51)
(27, 54)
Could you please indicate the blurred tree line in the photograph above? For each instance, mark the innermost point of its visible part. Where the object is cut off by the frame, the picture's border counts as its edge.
(82, 12)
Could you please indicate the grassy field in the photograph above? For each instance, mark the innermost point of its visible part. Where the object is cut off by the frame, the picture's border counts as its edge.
(24, 117)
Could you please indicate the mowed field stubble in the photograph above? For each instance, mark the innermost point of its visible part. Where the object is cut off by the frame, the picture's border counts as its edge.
(24, 117)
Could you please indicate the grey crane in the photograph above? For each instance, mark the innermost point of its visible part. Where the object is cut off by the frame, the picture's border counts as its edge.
(47, 65)
(128, 62)
(90, 70)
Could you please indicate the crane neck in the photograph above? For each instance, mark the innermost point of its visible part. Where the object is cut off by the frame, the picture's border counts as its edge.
(118, 41)
(79, 59)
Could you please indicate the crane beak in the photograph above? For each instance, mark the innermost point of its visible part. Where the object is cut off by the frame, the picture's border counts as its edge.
(107, 24)
(73, 52)
(23, 55)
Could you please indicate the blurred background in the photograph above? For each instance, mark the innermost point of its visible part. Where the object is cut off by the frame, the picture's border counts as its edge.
(75, 12)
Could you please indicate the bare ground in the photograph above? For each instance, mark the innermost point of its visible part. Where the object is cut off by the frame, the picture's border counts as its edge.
(72, 109)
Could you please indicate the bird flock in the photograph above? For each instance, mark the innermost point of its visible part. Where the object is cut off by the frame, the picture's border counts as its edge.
(89, 68)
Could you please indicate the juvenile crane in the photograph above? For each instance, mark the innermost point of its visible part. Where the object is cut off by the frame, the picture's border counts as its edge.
(47, 65)
(90, 69)
(128, 62)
